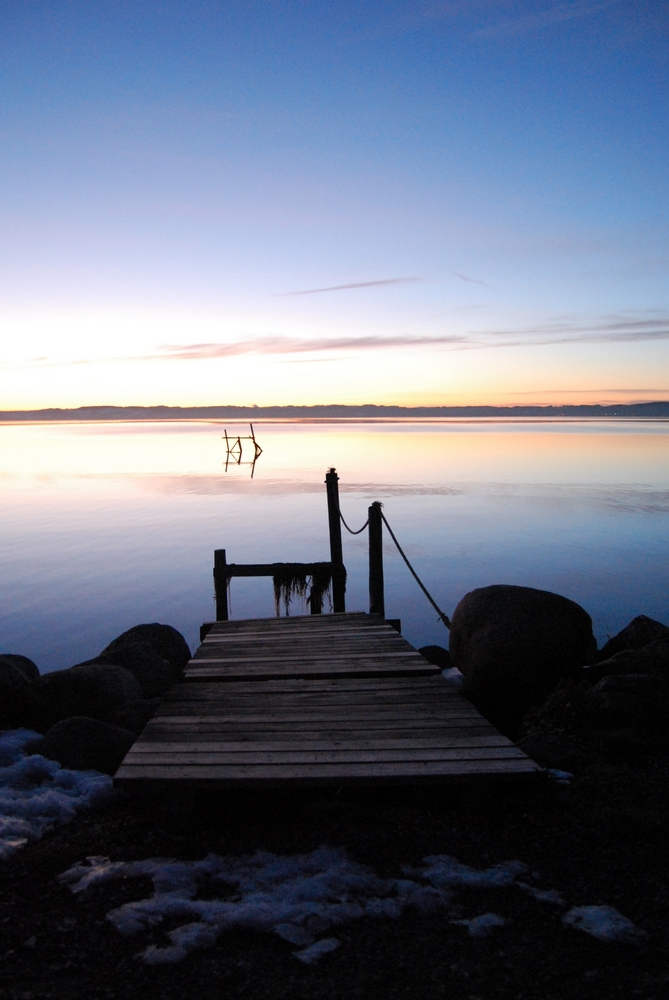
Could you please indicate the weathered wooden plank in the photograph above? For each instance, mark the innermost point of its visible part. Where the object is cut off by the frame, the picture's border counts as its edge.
(278, 702)
(362, 657)
(221, 775)
(204, 731)
(349, 743)
(300, 757)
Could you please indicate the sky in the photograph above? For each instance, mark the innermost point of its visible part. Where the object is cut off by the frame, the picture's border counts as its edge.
(260, 202)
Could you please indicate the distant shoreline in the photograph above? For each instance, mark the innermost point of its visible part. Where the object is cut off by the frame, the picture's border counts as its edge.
(335, 413)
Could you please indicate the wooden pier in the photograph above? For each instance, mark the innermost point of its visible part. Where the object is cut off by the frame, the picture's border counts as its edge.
(338, 699)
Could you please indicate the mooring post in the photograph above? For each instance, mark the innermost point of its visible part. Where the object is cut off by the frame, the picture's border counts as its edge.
(336, 551)
(220, 585)
(376, 599)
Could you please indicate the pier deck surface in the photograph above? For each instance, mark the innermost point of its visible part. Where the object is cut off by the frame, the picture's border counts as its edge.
(320, 700)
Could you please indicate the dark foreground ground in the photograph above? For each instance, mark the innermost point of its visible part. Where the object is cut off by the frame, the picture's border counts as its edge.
(604, 839)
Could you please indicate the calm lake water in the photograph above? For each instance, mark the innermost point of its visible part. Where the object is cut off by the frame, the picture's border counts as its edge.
(108, 525)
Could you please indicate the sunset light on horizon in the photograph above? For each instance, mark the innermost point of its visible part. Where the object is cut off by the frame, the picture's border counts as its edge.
(420, 204)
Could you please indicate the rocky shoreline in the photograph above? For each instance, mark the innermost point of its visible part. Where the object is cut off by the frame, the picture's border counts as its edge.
(521, 859)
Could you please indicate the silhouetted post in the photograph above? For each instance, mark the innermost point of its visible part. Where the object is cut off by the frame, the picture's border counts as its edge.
(336, 552)
(376, 599)
(220, 585)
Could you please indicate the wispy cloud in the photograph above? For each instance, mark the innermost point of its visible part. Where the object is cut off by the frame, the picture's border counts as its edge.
(472, 281)
(288, 345)
(584, 392)
(343, 288)
(569, 330)
(613, 329)
(485, 18)
(554, 13)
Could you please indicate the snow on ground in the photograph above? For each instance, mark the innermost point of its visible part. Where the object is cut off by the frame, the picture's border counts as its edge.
(37, 794)
(603, 922)
(483, 925)
(299, 897)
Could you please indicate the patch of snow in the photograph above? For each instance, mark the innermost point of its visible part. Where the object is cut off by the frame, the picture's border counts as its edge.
(542, 895)
(453, 676)
(483, 925)
(294, 934)
(559, 777)
(296, 896)
(36, 794)
(603, 922)
(446, 872)
(315, 951)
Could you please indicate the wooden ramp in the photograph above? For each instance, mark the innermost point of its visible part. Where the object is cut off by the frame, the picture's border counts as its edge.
(320, 700)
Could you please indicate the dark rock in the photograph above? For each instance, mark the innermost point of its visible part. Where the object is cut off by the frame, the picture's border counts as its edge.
(19, 705)
(26, 666)
(618, 746)
(163, 639)
(655, 657)
(134, 716)
(636, 701)
(515, 644)
(154, 674)
(552, 750)
(437, 655)
(640, 631)
(12, 677)
(34, 746)
(652, 658)
(92, 690)
(19, 709)
(643, 685)
(627, 661)
(84, 744)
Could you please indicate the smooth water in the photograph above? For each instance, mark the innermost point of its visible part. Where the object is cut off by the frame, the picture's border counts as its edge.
(108, 525)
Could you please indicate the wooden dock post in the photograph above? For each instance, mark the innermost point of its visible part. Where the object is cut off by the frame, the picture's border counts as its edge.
(376, 598)
(336, 552)
(221, 585)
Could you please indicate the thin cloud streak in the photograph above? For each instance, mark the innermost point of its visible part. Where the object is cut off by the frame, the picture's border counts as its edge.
(581, 392)
(555, 14)
(342, 288)
(473, 281)
(609, 330)
(286, 345)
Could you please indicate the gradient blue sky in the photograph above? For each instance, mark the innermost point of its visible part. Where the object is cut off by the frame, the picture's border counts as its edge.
(188, 190)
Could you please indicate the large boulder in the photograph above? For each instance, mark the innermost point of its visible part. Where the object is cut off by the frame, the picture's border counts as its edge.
(154, 674)
(84, 744)
(29, 669)
(640, 631)
(164, 640)
(90, 690)
(135, 715)
(19, 705)
(515, 644)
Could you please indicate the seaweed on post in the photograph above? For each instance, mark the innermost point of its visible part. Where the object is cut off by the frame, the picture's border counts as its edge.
(312, 587)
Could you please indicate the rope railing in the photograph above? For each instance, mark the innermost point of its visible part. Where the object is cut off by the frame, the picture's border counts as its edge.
(350, 530)
(443, 617)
